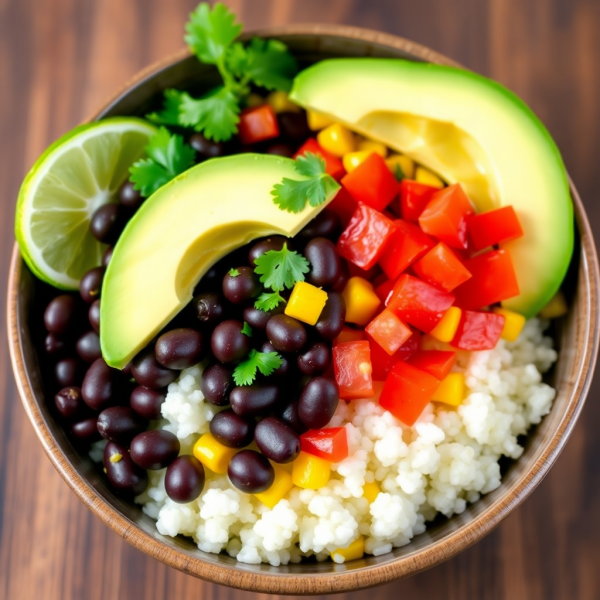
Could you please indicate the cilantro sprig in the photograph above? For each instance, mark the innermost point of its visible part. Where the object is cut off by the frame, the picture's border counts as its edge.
(265, 362)
(279, 269)
(292, 195)
(268, 301)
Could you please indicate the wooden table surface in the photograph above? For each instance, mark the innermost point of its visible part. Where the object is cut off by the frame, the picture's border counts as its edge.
(60, 58)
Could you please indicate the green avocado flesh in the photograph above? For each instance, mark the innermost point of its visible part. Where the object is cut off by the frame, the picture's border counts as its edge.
(470, 130)
(178, 234)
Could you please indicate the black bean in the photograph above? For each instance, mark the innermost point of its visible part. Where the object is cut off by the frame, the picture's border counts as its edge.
(90, 285)
(280, 149)
(86, 430)
(318, 402)
(331, 320)
(231, 429)
(206, 148)
(70, 404)
(240, 285)
(251, 472)
(147, 402)
(103, 386)
(147, 371)
(69, 372)
(107, 256)
(286, 369)
(342, 280)
(120, 424)
(286, 334)
(179, 348)
(210, 308)
(258, 319)
(124, 476)
(254, 400)
(325, 264)
(94, 315)
(129, 197)
(88, 347)
(289, 415)
(216, 382)
(184, 479)
(276, 440)
(293, 125)
(274, 242)
(107, 223)
(54, 344)
(315, 360)
(228, 343)
(61, 314)
(326, 224)
(154, 449)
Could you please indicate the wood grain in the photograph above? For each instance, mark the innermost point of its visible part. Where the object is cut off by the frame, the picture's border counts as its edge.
(59, 59)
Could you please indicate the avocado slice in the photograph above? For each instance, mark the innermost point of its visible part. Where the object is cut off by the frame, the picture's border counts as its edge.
(178, 234)
(470, 130)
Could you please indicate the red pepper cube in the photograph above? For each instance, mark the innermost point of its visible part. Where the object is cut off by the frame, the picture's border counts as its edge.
(257, 124)
(388, 331)
(330, 444)
(445, 217)
(382, 362)
(419, 303)
(414, 197)
(435, 362)
(442, 268)
(493, 227)
(493, 279)
(407, 391)
(352, 368)
(383, 289)
(478, 330)
(343, 205)
(372, 182)
(364, 239)
(333, 165)
(407, 244)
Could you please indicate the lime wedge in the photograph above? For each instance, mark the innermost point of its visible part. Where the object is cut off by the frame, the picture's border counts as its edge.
(77, 174)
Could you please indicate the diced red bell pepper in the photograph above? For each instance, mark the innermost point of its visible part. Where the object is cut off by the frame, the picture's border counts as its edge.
(478, 330)
(257, 124)
(352, 367)
(382, 362)
(442, 268)
(383, 289)
(419, 303)
(343, 205)
(333, 165)
(493, 280)
(435, 362)
(372, 182)
(493, 227)
(330, 444)
(445, 217)
(364, 239)
(407, 391)
(414, 197)
(388, 331)
(349, 335)
(406, 244)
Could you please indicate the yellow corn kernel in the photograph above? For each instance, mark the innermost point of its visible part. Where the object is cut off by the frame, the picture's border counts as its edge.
(451, 389)
(280, 102)
(557, 307)
(513, 324)
(361, 301)
(425, 176)
(310, 472)
(445, 330)
(306, 303)
(281, 485)
(254, 100)
(372, 146)
(337, 140)
(371, 491)
(407, 165)
(317, 120)
(353, 159)
(355, 550)
(212, 454)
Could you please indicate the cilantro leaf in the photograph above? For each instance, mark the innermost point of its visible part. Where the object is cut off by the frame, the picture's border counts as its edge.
(265, 362)
(268, 301)
(233, 273)
(279, 269)
(310, 165)
(147, 176)
(398, 172)
(169, 115)
(210, 32)
(246, 329)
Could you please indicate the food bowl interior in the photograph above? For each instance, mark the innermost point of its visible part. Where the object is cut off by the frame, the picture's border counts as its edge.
(574, 335)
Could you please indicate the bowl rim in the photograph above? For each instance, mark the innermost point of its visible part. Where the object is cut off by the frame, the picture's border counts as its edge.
(336, 581)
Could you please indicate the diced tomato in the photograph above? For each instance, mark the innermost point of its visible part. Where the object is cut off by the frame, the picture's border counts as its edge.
(257, 124)
(343, 205)
(349, 335)
(382, 362)
(407, 391)
(493, 227)
(372, 182)
(364, 239)
(330, 444)
(406, 244)
(414, 197)
(435, 362)
(383, 289)
(419, 303)
(445, 217)
(442, 268)
(352, 367)
(493, 280)
(388, 331)
(478, 330)
(333, 165)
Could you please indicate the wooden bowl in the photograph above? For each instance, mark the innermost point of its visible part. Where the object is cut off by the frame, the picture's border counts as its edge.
(577, 336)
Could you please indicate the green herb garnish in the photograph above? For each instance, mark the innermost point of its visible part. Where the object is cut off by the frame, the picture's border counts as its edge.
(233, 273)
(279, 269)
(398, 173)
(265, 362)
(246, 329)
(268, 301)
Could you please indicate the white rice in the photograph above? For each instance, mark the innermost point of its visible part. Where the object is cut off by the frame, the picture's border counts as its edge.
(445, 461)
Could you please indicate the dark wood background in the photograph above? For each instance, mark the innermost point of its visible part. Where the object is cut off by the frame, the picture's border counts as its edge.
(60, 58)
